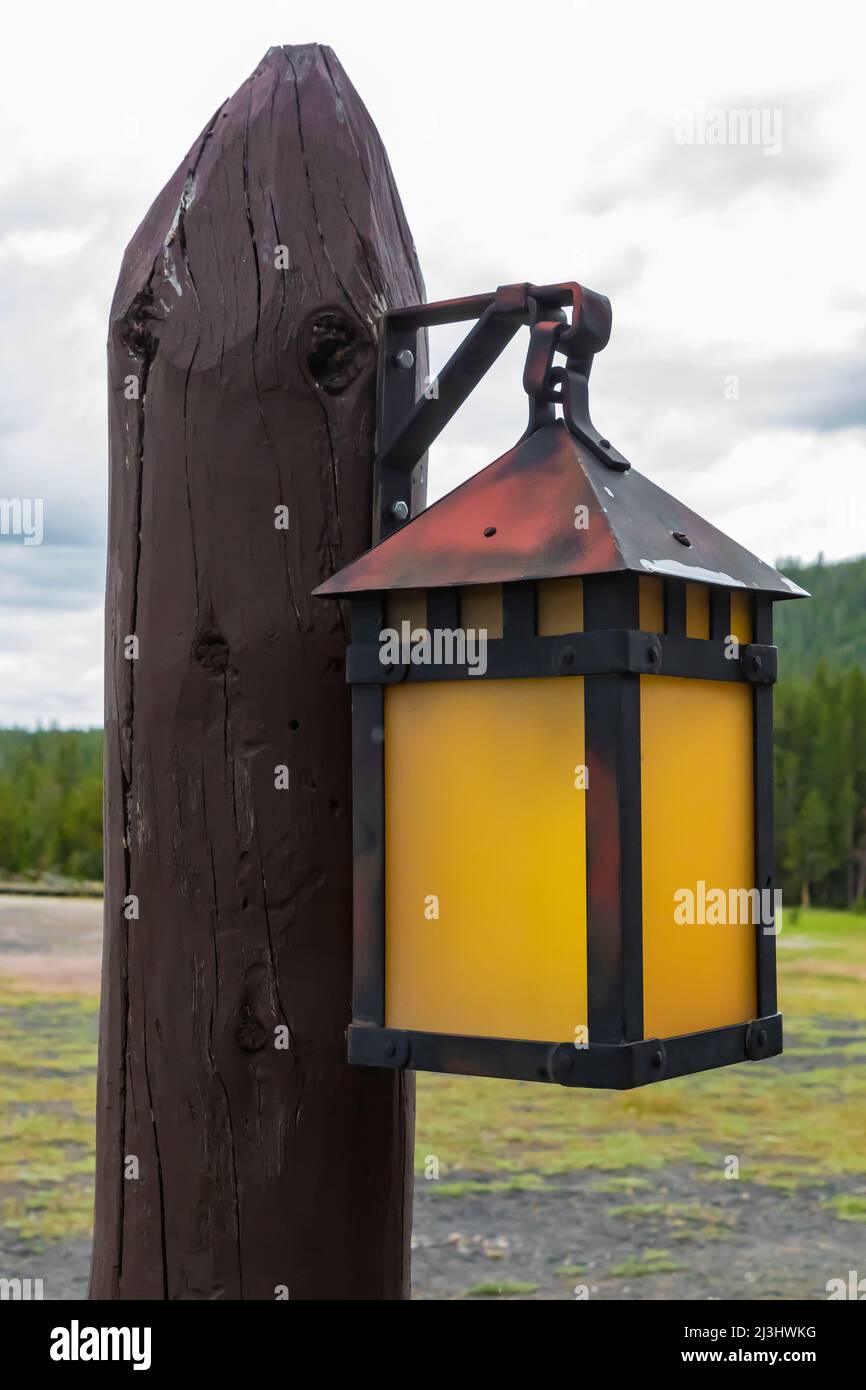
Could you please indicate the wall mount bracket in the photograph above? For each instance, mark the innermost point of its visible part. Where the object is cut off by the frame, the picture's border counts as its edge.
(406, 427)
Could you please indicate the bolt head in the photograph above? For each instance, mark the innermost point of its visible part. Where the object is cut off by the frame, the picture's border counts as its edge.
(400, 510)
(405, 359)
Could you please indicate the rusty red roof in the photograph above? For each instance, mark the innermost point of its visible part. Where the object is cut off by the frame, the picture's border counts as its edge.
(516, 519)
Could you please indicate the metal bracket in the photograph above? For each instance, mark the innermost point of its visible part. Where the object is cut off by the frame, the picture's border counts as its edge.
(575, 410)
(618, 1066)
(378, 1047)
(406, 426)
(761, 1039)
(760, 663)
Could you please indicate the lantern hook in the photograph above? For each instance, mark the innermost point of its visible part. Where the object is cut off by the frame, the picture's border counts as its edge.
(548, 385)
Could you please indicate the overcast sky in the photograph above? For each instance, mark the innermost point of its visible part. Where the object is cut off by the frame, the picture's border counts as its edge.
(529, 142)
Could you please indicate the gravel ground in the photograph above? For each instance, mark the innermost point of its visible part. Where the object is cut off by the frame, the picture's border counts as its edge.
(63, 1266)
(635, 1235)
(682, 1239)
(568, 1240)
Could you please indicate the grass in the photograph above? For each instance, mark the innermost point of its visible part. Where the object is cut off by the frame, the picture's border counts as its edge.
(505, 1290)
(467, 1187)
(47, 1061)
(52, 886)
(652, 1262)
(789, 1130)
(848, 1207)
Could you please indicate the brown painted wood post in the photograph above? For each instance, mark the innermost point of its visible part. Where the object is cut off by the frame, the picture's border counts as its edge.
(238, 1155)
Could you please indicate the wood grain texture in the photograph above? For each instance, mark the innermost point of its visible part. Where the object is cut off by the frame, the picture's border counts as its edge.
(259, 1166)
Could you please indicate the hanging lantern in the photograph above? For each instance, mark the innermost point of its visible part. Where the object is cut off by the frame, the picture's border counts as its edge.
(562, 729)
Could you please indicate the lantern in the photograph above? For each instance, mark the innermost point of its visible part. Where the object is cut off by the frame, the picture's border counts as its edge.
(562, 730)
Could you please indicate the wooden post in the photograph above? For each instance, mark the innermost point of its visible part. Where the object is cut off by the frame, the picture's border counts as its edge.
(238, 1155)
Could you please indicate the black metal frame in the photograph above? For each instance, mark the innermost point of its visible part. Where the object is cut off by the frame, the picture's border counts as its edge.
(600, 1066)
(612, 653)
(615, 651)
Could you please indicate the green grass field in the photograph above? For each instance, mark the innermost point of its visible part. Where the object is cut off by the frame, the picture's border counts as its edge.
(788, 1127)
(797, 1125)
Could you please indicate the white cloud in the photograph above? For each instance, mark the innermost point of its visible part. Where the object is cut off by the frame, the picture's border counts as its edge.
(527, 145)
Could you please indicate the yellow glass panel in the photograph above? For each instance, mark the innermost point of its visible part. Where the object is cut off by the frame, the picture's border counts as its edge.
(741, 615)
(697, 827)
(651, 595)
(697, 610)
(481, 607)
(560, 606)
(484, 826)
(406, 605)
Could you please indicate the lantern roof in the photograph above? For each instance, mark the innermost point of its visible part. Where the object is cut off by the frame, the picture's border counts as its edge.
(550, 509)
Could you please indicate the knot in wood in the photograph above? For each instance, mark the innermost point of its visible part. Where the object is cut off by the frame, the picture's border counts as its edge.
(210, 650)
(136, 327)
(335, 349)
(252, 1034)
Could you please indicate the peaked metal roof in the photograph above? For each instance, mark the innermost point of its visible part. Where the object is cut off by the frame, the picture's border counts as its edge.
(516, 520)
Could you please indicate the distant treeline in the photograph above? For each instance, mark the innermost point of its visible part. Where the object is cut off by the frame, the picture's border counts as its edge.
(828, 630)
(820, 740)
(51, 802)
(820, 719)
(51, 796)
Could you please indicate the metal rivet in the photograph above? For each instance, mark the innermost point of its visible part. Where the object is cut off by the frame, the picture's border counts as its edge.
(566, 1062)
(490, 531)
(681, 537)
(400, 510)
(657, 1060)
(605, 443)
(404, 359)
(566, 656)
(757, 663)
(762, 1037)
(390, 1049)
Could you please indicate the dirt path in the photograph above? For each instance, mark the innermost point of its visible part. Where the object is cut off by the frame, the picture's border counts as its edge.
(51, 945)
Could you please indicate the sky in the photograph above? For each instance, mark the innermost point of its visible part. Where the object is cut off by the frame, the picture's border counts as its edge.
(596, 142)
